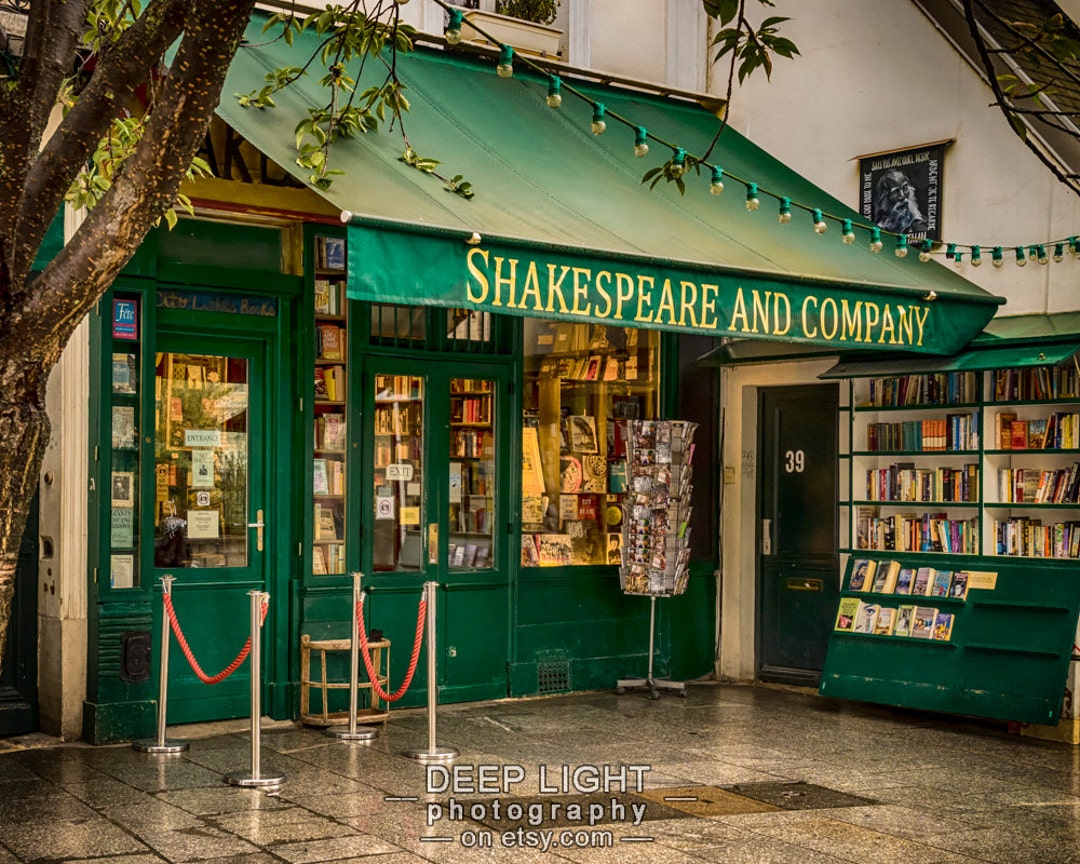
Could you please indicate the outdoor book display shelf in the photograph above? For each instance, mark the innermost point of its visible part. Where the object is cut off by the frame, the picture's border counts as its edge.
(988, 637)
(967, 462)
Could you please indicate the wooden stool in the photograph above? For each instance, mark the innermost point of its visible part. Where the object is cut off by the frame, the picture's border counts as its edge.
(378, 710)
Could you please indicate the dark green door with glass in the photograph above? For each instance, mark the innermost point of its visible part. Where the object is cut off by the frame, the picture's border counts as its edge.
(211, 512)
(797, 534)
(435, 508)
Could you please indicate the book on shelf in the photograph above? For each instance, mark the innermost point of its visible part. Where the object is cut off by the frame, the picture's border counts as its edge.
(866, 617)
(941, 583)
(943, 623)
(886, 577)
(322, 297)
(845, 614)
(862, 574)
(1018, 435)
(331, 342)
(922, 622)
(905, 615)
(334, 377)
(320, 383)
(330, 432)
(320, 481)
(924, 577)
(886, 621)
(905, 580)
(318, 561)
(482, 554)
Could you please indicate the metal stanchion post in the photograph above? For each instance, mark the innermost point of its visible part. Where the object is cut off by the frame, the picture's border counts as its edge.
(159, 745)
(434, 754)
(255, 777)
(351, 732)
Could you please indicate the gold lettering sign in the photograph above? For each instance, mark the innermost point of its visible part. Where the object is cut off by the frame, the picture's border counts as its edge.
(531, 286)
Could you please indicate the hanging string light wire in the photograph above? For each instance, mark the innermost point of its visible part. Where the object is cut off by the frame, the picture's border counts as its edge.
(682, 162)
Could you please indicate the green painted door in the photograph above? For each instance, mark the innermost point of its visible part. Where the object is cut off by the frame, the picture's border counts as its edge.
(797, 538)
(436, 508)
(212, 440)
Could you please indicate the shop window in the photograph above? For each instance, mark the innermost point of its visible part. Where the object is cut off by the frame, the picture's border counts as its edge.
(398, 325)
(580, 380)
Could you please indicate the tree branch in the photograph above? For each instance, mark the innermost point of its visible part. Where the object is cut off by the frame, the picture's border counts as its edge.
(121, 68)
(147, 183)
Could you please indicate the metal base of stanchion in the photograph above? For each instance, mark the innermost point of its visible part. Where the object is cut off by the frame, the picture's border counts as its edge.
(362, 734)
(242, 778)
(434, 756)
(166, 748)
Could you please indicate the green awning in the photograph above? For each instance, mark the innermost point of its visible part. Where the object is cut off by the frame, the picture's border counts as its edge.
(567, 230)
(971, 360)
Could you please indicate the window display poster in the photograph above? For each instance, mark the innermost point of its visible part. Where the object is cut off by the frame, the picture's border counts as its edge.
(203, 524)
(125, 319)
(124, 373)
(123, 427)
(122, 571)
(123, 489)
(122, 535)
(202, 468)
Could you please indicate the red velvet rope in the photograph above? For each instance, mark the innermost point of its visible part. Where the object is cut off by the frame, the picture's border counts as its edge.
(228, 670)
(372, 674)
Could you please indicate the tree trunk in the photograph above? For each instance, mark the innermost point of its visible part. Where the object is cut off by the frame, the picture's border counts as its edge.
(24, 434)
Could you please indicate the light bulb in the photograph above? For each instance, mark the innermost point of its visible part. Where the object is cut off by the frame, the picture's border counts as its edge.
(1059, 253)
(506, 62)
(875, 240)
(958, 260)
(819, 223)
(1040, 251)
(598, 124)
(997, 256)
(847, 233)
(641, 141)
(1021, 261)
(1074, 245)
(554, 96)
(716, 184)
(752, 201)
(785, 211)
(453, 28)
(901, 246)
(678, 162)
(924, 251)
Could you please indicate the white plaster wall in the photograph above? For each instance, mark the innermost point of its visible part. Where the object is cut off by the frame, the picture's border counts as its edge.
(875, 75)
(629, 37)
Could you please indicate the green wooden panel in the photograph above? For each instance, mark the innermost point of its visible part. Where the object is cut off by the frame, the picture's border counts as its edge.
(1007, 658)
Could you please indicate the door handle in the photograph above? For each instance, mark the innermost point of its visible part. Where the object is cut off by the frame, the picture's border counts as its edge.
(766, 536)
(258, 526)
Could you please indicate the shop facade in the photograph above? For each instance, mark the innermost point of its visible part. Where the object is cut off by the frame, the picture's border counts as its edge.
(428, 390)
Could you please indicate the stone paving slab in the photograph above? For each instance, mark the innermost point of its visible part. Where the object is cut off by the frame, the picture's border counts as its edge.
(879, 787)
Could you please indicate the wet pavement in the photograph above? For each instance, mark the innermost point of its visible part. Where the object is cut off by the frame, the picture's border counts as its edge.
(731, 774)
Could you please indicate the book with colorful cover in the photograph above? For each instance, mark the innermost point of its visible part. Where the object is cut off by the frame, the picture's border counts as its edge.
(959, 588)
(904, 580)
(943, 622)
(922, 622)
(924, 578)
(866, 617)
(904, 618)
(845, 614)
(886, 577)
(862, 574)
(886, 621)
(942, 581)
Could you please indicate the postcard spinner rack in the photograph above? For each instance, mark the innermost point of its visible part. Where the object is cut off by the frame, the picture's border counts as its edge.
(656, 515)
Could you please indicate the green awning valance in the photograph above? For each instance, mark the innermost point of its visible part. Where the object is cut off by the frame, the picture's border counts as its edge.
(567, 230)
(971, 360)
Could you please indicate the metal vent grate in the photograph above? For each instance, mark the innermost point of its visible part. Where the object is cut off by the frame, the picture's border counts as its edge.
(552, 672)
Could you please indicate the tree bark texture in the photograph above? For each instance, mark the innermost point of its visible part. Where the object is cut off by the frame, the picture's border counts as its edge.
(39, 312)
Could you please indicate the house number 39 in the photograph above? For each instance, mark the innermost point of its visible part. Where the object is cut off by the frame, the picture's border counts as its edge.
(794, 462)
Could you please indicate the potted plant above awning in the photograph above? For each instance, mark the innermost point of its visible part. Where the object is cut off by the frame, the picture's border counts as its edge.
(523, 24)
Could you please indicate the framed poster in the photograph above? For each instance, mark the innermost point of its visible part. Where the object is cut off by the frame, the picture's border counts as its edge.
(125, 319)
(901, 191)
(123, 489)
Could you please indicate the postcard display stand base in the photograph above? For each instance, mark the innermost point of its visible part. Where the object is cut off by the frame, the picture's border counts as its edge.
(656, 536)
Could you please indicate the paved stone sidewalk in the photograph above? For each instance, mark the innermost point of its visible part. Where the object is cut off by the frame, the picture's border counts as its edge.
(735, 775)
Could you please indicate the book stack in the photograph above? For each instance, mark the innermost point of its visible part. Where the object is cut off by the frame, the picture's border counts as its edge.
(655, 552)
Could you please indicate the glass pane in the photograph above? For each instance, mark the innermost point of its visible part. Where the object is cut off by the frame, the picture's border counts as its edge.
(126, 425)
(399, 446)
(579, 380)
(472, 474)
(398, 323)
(201, 461)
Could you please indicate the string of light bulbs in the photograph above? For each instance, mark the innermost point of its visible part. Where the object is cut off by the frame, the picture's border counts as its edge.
(927, 248)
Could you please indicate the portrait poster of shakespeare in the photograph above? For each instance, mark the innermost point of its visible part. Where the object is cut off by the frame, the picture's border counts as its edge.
(901, 191)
